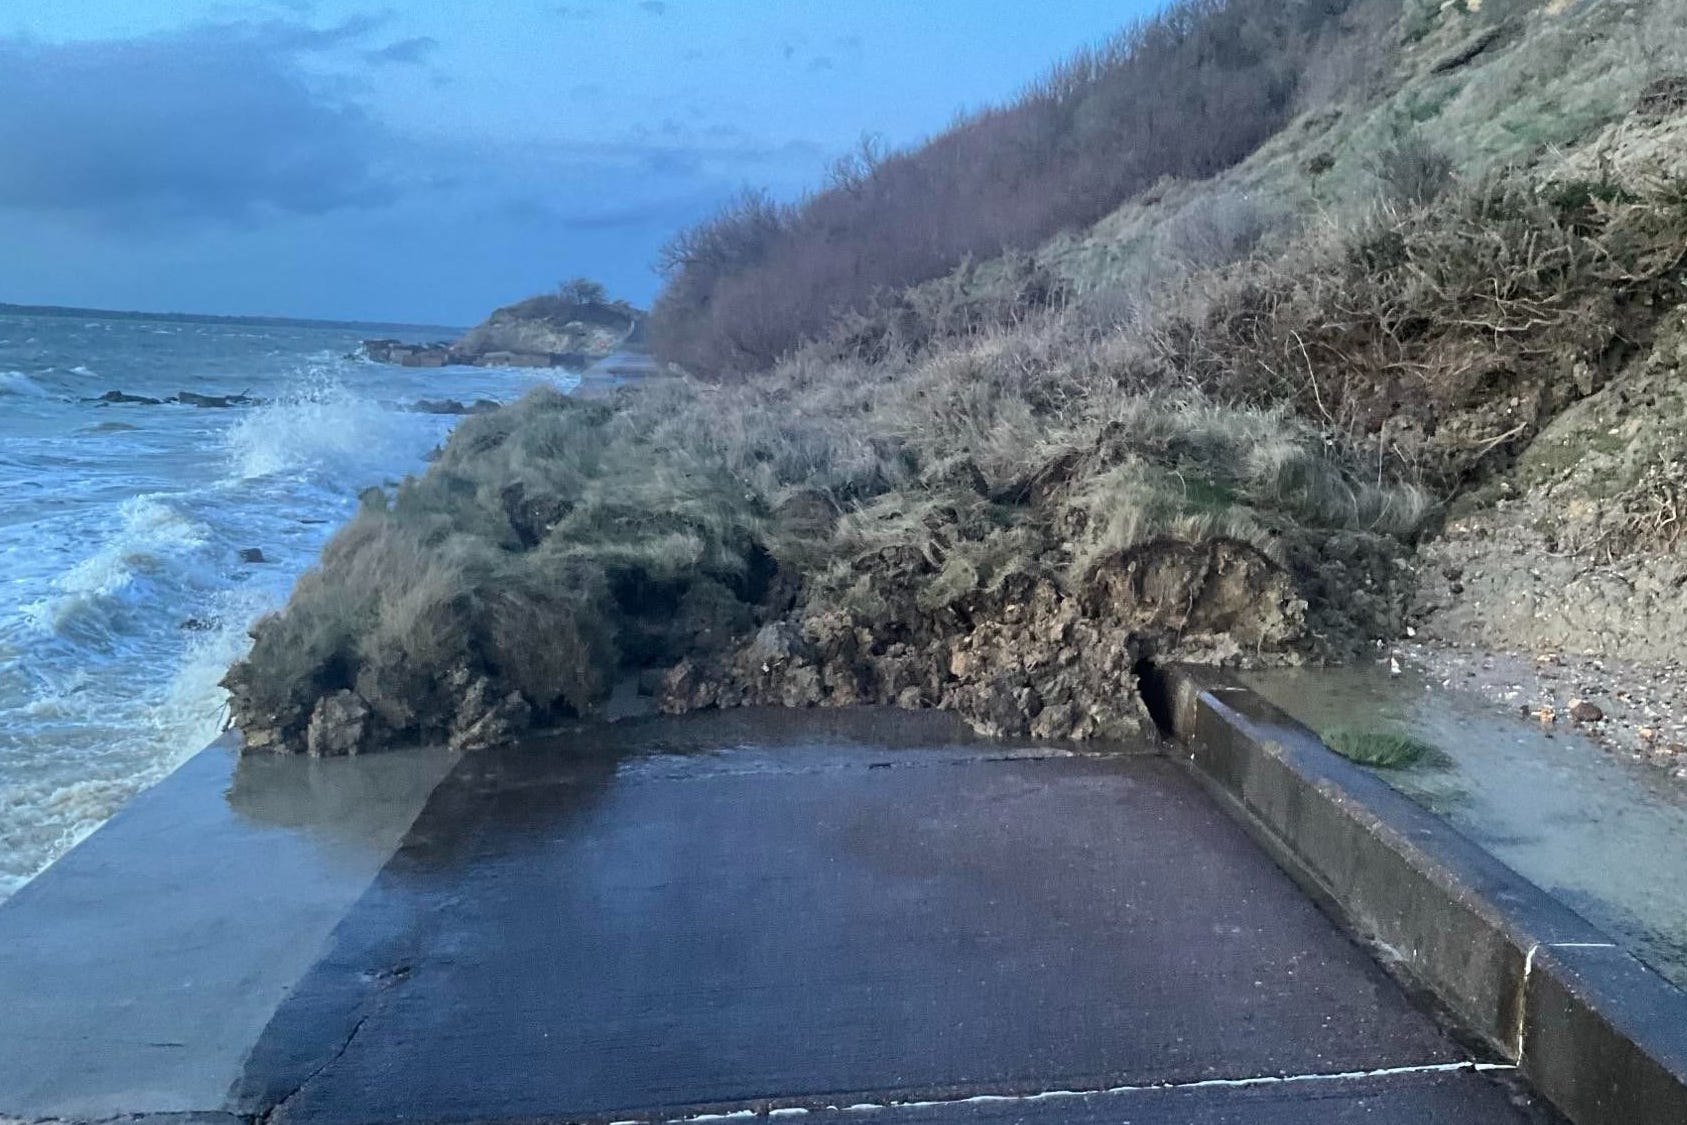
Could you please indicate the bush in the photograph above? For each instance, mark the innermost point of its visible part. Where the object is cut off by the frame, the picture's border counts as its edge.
(1187, 93)
(1410, 170)
(1441, 337)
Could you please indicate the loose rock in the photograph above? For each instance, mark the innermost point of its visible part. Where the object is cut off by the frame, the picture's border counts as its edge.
(336, 725)
(1584, 712)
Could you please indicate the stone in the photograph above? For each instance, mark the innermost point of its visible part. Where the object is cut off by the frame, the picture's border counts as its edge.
(494, 725)
(1584, 712)
(217, 402)
(252, 555)
(338, 725)
(124, 397)
(774, 644)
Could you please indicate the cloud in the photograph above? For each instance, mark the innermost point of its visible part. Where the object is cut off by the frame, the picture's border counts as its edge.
(290, 36)
(654, 7)
(409, 51)
(821, 62)
(574, 12)
(214, 122)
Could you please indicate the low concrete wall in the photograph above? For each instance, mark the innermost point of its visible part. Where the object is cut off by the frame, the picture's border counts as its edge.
(1595, 1031)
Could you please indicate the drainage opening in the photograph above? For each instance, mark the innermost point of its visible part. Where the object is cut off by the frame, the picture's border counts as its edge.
(1154, 686)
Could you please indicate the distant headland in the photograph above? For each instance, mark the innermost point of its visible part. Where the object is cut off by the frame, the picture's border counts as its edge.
(573, 327)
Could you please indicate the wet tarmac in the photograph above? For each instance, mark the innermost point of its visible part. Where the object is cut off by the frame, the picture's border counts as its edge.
(138, 970)
(832, 913)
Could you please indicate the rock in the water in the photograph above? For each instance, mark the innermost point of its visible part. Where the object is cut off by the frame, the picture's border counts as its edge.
(337, 725)
(214, 402)
(125, 397)
(252, 555)
(452, 406)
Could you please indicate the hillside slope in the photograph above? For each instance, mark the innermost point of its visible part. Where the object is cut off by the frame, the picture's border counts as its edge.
(1224, 424)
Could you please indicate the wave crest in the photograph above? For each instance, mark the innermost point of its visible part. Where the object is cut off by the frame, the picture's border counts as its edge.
(319, 426)
(17, 383)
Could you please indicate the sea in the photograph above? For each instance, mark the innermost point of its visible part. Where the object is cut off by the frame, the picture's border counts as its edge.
(124, 593)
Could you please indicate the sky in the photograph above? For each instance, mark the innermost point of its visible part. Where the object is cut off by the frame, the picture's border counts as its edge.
(426, 160)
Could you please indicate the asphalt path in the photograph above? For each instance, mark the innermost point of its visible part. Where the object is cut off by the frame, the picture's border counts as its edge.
(824, 914)
(757, 913)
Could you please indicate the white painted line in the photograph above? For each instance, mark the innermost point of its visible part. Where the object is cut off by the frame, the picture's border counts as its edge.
(1051, 1095)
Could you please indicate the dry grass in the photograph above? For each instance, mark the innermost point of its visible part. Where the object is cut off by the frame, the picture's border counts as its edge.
(557, 540)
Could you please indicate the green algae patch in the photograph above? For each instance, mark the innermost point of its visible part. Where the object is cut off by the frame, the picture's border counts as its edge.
(1380, 749)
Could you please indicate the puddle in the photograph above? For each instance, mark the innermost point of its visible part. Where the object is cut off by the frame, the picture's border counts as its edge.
(1606, 838)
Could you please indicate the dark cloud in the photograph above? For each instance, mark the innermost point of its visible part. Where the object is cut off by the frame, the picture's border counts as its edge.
(213, 122)
(409, 51)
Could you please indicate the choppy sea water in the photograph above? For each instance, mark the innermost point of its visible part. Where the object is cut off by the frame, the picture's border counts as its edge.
(123, 596)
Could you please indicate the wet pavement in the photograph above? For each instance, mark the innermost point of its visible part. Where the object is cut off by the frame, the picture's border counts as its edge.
(777, 913)
(138, 970)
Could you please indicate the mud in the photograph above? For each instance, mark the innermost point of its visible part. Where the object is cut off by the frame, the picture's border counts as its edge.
(1028, 659)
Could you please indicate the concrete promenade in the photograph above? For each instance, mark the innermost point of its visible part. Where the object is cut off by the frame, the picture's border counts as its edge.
(842, 915)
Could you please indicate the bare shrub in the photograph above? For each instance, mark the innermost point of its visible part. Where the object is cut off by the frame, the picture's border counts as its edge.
(1410, 169)
(1186, 93)
(1441, 337)
(1214, 230)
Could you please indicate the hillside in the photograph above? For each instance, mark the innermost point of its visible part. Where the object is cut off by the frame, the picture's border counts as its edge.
(1245, 412)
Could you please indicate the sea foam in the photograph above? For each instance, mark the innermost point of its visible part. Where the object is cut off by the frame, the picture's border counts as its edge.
(316, 426)
(17, 383)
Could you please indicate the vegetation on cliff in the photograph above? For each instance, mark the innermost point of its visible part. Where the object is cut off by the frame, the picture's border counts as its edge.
(1184, 94)
(1216, 426)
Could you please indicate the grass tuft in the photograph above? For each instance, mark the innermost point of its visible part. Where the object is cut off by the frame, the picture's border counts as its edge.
(1380, 749)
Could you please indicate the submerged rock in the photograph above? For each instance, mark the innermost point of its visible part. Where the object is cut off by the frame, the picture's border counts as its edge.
(126, 398)
(215, 402)
(252, 555)
(452, 406)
